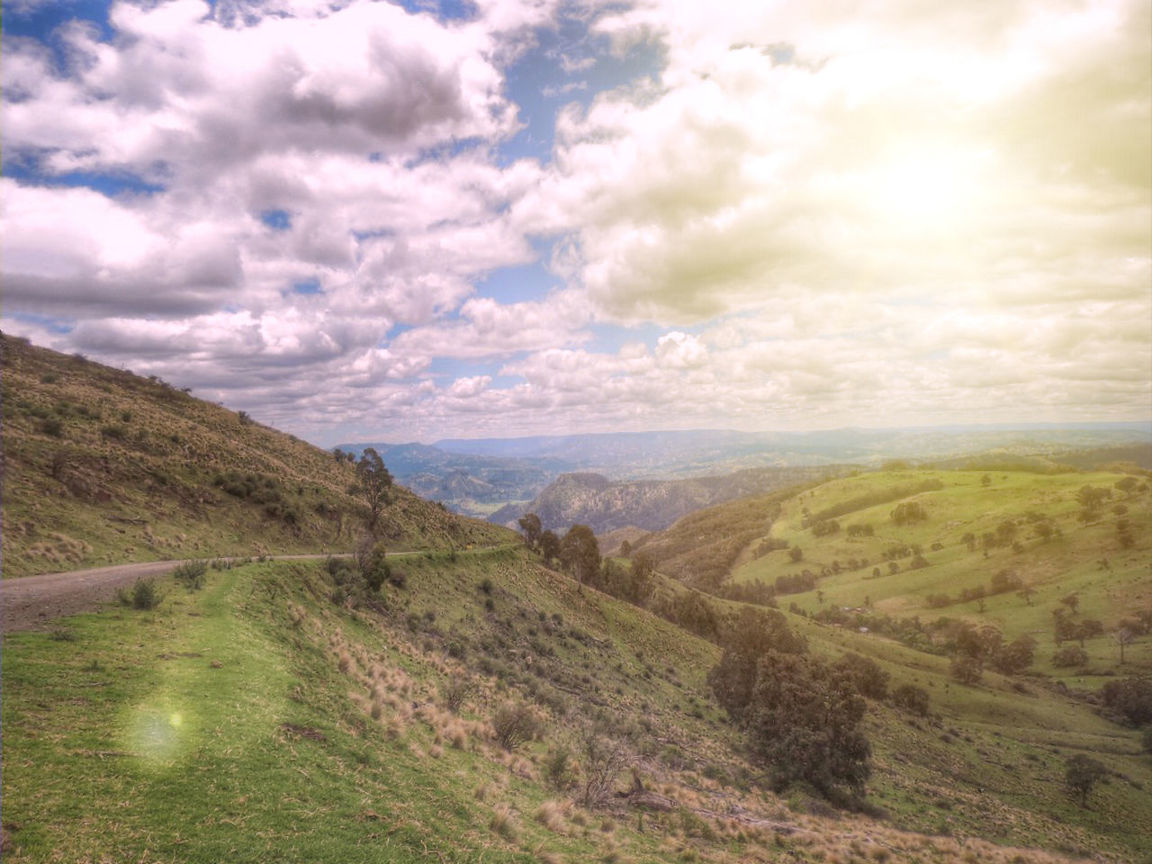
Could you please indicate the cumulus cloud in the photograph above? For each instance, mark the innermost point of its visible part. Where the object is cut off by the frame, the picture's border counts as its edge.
(802, 215)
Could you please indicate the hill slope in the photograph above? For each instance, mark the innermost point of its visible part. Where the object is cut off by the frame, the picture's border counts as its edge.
(604, 505)
(273, 717)
(102, 466)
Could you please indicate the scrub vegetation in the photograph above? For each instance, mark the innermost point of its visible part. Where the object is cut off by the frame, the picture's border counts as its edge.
(485, 697)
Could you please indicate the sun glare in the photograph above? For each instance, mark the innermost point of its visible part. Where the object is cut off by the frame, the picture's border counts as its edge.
(927, 190)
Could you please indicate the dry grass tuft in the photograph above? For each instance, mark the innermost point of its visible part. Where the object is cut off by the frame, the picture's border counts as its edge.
(550, 814)
(503, 823)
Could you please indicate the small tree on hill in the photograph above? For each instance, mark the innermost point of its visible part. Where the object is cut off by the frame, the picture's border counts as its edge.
(967, 670)
(642, 581)
(374, 483)
(549, 546)
(580, 553)
(530, 525)
(1123, 638)
(1082, 773)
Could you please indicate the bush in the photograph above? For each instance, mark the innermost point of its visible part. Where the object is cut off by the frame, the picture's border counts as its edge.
(558, 768)
(802, 715)
(1080, 775)
(454, 691)
(1070, 655)
(514, 724)
(374, 567)
(191, 574)
(1131, 697)
(603, 758)
(866, 674)
(967, 670)
(142, 595)
(909, 697)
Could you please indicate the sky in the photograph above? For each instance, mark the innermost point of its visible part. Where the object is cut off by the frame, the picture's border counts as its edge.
(371, 221)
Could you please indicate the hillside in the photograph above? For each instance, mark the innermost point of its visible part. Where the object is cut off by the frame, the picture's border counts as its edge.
(474, 485)
(275, 715)
(462, 701)
(983, 540)
(603, 505)
(102, 466)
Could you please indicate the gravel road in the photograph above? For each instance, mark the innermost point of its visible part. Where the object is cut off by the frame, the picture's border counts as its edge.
(32, 602)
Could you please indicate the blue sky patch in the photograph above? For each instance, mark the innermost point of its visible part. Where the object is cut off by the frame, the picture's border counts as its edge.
(307, 287)
(277, 220)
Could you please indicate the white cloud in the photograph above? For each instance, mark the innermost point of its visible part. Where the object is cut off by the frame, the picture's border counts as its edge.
(819, 214)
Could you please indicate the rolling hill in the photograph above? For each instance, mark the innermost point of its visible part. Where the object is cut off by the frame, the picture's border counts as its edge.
(102, 466)
(479, 705)
(651, 505)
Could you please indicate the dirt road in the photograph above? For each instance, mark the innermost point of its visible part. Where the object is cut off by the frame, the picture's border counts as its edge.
(32, 602)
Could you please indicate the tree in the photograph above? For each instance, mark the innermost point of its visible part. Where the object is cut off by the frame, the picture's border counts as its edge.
(967, 670)
(1126, 484)
(374, 482)
(1081, 773)
(1027, 592)
(1016, 656)
(908, 513)
(1130, 697)
(549, 546)
(580, 553)
(802, 715)
(530, 525)
(909, 697)
(1072, 601)
(1123, 638)
(1091, 497)
(803, 721)
(870, 679)
(642, 579)
(1069, 655)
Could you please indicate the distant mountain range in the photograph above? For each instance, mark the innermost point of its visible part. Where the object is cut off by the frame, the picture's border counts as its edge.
(481, 476)
(604, 505)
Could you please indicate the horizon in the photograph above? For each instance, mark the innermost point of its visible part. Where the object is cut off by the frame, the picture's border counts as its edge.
(1145, 424)
(429, 220)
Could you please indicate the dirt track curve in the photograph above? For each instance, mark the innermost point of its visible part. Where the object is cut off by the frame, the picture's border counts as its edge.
(32, 602)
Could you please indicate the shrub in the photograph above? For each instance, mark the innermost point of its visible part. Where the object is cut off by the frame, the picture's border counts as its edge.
(374, 567)
(191, 574)
(1080, 774)
(1070, 655)
(558, 768)
(802, 715)
(514, 724)
(52, 426)
(1131, 697)
(909, 697)
(866, 674)
(454, 691)
(603, 758)
(967, 670)
(142, 595)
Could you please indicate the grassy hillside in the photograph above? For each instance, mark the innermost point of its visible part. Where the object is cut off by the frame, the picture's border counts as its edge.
(1052, 549)
(260, 719)
(102, 466)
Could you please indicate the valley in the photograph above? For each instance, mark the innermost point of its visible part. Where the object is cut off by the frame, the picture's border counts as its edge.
(447, 690)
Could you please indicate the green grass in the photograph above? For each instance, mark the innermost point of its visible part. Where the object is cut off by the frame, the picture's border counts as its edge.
(76, 496)
(1053, 568)
(162, 736)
